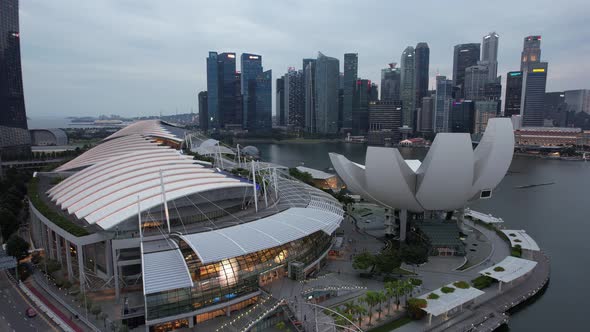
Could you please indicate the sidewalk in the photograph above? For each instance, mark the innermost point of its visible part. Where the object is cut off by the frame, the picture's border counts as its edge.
(65, 318)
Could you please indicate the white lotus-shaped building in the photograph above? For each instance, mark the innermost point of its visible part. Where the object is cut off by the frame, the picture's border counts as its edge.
(451, 175)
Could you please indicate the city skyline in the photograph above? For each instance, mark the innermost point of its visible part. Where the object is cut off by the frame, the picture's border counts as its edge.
(155, 59)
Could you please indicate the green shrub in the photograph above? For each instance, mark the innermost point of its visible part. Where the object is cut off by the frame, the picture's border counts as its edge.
(433, 296)
(512, 234)
(482, 282)
(447, 290)
(415, 307)
(416, 282)
(499, 269)
(461, 284)
(51, 214)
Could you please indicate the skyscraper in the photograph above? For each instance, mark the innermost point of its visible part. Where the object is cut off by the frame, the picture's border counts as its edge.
(555, 108)
(12, 101)
(484, 110)
(462, 117)
(531, 52)
(203, 113)
(443, 98)
(465, 55)
(213, 91)
(251, 65)
(384, 122)
(476, 78)
(374, 92)
(408, 86)
(230, 101)
(422, 67)
(427, 114)
(327, 76)
(350, 77)
(294, 100)
(360, 111)
(280, 101)
(260, 103)
(309, 66)
(513, 93)
(390, 82)
(489, 54)
(533, 94)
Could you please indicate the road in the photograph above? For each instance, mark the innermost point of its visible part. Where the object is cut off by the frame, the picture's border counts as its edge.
(12, 310)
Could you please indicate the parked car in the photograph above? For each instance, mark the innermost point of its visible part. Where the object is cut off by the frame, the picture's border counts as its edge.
(30, 312)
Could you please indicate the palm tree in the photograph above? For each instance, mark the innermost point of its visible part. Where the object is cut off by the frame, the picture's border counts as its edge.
(380, 297)
(359, 311)
(340, 319)
(390, 293)
(371, 299)
(349, 307)
(408, 288)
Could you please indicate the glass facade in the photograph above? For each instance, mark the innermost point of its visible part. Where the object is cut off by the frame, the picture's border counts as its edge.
(222, 281)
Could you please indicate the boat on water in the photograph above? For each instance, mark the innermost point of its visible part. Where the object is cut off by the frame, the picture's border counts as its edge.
(534, 185)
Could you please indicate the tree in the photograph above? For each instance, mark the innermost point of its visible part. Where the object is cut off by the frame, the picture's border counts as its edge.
(95, 310)
(390, 292)
(414, 254)
(388, 261)
(371, 298)
(364, 261)
(380, 299)
(415, 307)
(359, 312)
(17, 247)
(8, 223)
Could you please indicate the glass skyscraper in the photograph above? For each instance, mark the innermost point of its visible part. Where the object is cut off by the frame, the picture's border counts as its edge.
(260, 103)
(213, 92)
(465, 55)
(533, 94)
(327, 76)
(513, 93)
(390, 83)
(489, 54)
(531, 52)
(251, 65)
(408, 86)
(350, 77)
(443, 98)
(422, 67)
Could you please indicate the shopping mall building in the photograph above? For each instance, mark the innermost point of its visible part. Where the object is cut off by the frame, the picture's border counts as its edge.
(136, 215)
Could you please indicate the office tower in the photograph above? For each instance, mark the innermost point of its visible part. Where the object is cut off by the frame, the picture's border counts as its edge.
(555, 109)
(484, 110)
(476, 78)
(465, 55)
(489, 54)
(360, 111)
(462, 117)
(251, 65)
(443, 98)
(531, 52)
(309, 66)
(294, 100)
(203, 113)
(350, 78)
(260, 103)
(492, 90)
(578, 100)
(385, 119)
(15, 140)
(327, 76)
(513, 93)
(533, 94)
(422, 66)
(280, 101)
(213, 91)
(374, 92)
(427, 114)
(390, 82)
(408, 86)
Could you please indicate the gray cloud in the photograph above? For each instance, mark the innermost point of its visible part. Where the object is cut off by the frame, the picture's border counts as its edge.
(140, 57)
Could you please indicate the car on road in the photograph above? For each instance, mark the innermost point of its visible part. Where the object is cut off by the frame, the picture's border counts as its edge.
(30, 312)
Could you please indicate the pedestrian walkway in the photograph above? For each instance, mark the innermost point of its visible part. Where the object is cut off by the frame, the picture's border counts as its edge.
(65, 318)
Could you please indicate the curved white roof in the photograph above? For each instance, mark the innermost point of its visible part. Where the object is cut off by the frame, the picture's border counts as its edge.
(107, 192)
(514, 268)
(164, 270)
(148, 128)
(521, 238)
(275, 230)
(448, 301)
(451, 175)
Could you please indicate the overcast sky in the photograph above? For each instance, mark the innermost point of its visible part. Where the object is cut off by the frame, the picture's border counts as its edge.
(140, 57)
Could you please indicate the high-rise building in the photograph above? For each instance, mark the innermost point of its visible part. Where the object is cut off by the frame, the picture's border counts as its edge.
(533, 94)
(443, 98)
(349, 83)
(408, 86)
(213, 92)
(15, 140)
(294, 100)
(251, 65)
(492, 91)
(203, 113)
(464, 56)
(327, 76)
(489, 54)
(476, 78)
(385, 119)
(309, 66)
(555, 109)
(360, 111)
(484, 110)
(422, 67)
(578, 100)
(513, 93)
(390, 82)
(427, 115)
(374, 92)
(462, 117)
(260, 103)
(531, 52)
(280, 101)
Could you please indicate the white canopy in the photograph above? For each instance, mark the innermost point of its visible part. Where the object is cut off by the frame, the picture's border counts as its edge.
(164, 270)
(485, 218)
(521, 238)
(448, 301)
(514, 268)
